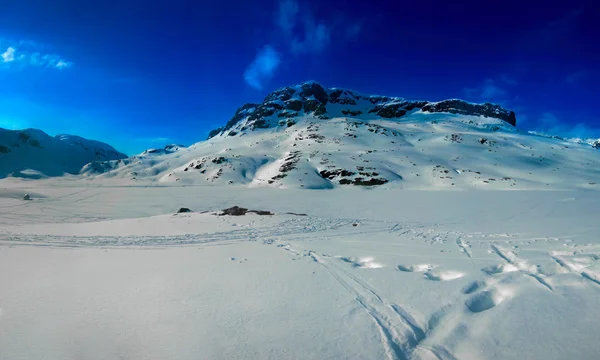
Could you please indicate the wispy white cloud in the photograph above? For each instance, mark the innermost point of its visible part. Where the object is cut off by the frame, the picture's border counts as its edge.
(9, 55)
(263, 67)
(491, 91)
(287, 16)
(299, 33)
(315, 39)
(550, 123)
(312, 36)
(488, 91)
(25, 53)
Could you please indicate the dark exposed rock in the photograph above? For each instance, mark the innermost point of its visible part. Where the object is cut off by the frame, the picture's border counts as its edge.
(240, 211)
(370, 182)
(262, 112)
(374, 99)
(294, 105)
(183, 210)
(35, 143)
(596, 144)
(335, 94)
(314, 89)
(260, 124)
(297, 214)
(331, 174)
(455, 138)
(219, 160)
(214, 132)
(316, 137)
(261, 212)
(290, 162)
(311, 97)
(234, 211)
(351, 112)
(464, 108)
(278, 177)
(414, 105)
(23, 137)
(240, 114)
(310, 105)
(483, 140)
(287, 113)
(389, 111)
(334, 97)
(320, 111)
(282, 94)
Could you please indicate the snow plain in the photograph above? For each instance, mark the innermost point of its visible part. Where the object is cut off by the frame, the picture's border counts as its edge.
(106, 270)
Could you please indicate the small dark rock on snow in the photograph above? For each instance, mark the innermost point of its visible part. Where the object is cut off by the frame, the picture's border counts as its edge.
(239, 211)
(183, 210)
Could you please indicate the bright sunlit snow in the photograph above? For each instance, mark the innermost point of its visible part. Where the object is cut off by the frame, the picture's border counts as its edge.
(428, 236)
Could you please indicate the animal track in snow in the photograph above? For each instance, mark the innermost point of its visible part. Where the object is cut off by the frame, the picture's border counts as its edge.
(443, 275)
(364, 262)
(473, 286)
(521, 265)
(487, 299)
(415, 268)
(500, 268)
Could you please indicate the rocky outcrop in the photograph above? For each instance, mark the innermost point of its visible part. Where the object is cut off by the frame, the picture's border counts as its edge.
(310, 98)
(166, 150)
(461, 107)
(240, 211)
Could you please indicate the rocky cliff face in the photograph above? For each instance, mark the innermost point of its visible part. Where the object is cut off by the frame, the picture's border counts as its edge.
(310, 98)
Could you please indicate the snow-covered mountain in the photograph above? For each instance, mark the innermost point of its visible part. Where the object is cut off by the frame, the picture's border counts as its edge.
(308, 136)
(32, 153)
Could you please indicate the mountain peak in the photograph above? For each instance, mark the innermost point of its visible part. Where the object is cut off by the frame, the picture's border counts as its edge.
(282, 106)
(32, 153)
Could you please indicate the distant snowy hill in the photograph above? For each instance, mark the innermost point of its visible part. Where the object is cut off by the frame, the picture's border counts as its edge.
(308, 136)
(32, 153)
(166, 150)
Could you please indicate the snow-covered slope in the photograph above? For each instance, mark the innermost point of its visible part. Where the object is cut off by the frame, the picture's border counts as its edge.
(33, 153)
(307, 136)
(368, 274)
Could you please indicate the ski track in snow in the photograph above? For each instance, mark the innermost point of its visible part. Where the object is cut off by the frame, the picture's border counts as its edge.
(400, 332)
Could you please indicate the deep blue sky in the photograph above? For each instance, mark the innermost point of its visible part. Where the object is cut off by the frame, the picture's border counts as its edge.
(140, 74)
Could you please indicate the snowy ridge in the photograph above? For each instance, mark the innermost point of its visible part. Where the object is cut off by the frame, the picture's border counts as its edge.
(310, 98)
(595, 143)
(32, 153)
(168, 149)
(303, 145)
